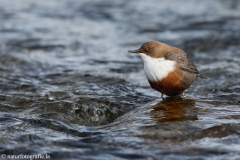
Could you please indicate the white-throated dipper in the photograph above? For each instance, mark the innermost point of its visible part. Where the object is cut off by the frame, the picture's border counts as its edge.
(168, 69)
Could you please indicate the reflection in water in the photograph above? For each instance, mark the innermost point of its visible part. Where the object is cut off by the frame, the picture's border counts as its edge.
(173, 120)
(174, 109)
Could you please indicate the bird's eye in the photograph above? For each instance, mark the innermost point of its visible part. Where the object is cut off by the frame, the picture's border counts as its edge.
(146, 49)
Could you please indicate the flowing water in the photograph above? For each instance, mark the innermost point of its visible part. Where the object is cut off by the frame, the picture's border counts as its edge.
(69, 89)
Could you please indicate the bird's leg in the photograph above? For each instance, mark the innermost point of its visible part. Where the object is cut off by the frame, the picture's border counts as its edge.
(183, 94)
(162, 96)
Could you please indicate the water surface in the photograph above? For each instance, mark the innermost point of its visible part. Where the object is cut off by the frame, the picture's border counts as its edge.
(69, 89)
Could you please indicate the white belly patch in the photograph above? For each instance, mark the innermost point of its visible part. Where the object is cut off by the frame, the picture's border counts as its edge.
(156, 68)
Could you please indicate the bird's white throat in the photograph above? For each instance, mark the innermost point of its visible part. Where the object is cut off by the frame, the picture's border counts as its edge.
(156, 68)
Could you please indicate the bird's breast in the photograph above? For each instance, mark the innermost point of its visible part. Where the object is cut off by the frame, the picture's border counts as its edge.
(170, 85)
(157, 68)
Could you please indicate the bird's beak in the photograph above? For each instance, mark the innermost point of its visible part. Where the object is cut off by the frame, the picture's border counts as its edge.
(133, 51)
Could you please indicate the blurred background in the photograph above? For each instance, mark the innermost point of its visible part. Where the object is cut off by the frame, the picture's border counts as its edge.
(70, 89)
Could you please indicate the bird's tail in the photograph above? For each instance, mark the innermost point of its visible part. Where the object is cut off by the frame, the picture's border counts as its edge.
(199, 75)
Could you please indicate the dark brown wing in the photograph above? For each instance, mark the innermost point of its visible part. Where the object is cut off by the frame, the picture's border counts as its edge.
(184, 62)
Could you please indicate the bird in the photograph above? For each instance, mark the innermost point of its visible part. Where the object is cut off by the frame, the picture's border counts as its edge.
(167, 68)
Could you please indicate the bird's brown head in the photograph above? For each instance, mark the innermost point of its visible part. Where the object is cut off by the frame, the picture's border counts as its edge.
(152, 48)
